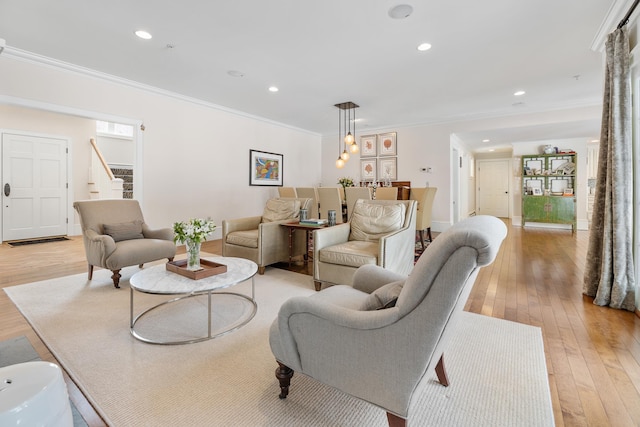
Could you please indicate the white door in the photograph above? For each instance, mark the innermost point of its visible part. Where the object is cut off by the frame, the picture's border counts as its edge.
(456, 162)
(34, 187)
(493, 187)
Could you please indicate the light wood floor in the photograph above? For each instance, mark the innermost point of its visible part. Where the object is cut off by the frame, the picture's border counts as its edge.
(592, 353)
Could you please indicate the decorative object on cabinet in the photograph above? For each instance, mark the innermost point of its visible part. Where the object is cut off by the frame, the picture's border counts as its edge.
(265, 168)
(548, 189)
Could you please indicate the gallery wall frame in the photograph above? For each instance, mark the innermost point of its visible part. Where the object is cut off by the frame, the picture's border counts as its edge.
(265, 169)
(388, 168)
(368, 169)
(387, 144)
(368, 146)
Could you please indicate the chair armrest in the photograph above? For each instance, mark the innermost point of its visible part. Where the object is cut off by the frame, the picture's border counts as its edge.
(160, 233)
(325, 237)
(238, 224)
(397, 250)
(98, 247)
(370, 277)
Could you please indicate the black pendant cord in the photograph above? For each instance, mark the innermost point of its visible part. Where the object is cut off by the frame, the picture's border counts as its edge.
(625, 20)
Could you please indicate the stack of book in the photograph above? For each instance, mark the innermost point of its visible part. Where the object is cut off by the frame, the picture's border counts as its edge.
(314, 222)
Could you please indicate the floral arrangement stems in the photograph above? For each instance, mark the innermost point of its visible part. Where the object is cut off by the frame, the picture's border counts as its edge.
(192, 233)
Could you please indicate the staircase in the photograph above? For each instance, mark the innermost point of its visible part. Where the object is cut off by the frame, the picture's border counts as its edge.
(126, 174)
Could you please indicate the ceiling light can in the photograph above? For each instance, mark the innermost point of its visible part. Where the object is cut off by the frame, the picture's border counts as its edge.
(424, 46)
(143, 34)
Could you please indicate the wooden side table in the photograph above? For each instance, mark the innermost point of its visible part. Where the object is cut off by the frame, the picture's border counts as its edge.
(308, 229)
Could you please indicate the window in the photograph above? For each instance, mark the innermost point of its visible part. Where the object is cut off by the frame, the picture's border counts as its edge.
(114, 129)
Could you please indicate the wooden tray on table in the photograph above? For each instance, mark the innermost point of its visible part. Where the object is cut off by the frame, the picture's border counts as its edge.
(208, 268)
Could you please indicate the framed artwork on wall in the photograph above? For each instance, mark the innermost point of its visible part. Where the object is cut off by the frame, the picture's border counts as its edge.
(368, 146)
(368, 169)
(388, 144)
(265, 168)
(388, 168)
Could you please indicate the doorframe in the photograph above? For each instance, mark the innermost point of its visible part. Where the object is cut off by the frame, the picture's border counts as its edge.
(73, 228)
(69, 177)
(509, 160)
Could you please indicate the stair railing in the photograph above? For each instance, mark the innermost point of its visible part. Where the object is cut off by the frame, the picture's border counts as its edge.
(102, 182)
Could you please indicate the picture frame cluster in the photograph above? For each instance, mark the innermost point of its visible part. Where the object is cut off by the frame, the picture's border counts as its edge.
(378, 157)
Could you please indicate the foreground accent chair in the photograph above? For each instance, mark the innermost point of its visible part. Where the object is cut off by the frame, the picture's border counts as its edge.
(424, 196)
(382, 338)
(261, 239)
(380, 232)
(116, 236)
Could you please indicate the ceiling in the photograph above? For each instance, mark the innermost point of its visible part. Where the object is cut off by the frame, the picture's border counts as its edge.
(325, 52)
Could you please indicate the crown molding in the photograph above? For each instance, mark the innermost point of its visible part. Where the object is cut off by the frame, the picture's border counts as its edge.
(23, 55)
(614, 15)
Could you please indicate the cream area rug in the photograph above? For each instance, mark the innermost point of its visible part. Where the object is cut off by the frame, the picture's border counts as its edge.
(496, 368)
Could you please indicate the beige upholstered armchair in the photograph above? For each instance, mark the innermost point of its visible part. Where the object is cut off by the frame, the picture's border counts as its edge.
(380, 232)
(116, 236)
(382, 338)
(261, 238)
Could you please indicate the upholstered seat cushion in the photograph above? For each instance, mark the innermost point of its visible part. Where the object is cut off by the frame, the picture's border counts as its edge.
(354, 253)
(371, 221)
(246, 238)
(279, 209)
(139, 251)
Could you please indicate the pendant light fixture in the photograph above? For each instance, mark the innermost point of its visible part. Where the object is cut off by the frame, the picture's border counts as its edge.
(339, 161)
(349, 138)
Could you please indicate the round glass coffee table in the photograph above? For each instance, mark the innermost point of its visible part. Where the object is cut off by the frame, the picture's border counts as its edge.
(158, 280)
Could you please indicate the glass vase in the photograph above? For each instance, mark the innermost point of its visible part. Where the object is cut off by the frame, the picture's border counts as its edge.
(193, 255)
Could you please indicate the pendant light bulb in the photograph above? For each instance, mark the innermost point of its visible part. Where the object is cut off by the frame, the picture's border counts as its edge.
(349, 139)
(354, 148)
(345, 155)
(339, 163)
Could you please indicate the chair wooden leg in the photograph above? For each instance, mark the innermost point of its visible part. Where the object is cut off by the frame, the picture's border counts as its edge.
(395, 421)
(116, 278)
(429, 234)
(441, 372)
(284, 374)
(170, 259)
(261, 270)
(421, 233)
(90, 272)
(317, 284)
(140, 265)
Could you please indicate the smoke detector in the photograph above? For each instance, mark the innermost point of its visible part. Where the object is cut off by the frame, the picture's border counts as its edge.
(400, 11)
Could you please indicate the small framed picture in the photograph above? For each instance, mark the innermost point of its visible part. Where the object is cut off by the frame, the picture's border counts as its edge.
(265, 168)
(537, 191)
(368, 170)
(388, 144)
(388, 168)
(368, 146)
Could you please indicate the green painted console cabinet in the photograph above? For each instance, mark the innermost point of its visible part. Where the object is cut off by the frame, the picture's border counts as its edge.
(549, 189)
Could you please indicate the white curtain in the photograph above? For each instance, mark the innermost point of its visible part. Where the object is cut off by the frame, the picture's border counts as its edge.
(609, 272)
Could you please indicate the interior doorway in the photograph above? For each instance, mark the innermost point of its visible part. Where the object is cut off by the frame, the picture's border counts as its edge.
(493, 187)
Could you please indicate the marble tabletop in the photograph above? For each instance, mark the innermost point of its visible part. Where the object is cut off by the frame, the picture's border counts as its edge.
(157, 280)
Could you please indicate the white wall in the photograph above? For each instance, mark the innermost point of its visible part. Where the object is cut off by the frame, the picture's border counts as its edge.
(430, 146)
(195, 157)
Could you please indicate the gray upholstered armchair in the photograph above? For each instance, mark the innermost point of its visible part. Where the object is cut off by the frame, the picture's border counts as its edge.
(116, 236)
(261, 238)
(379, 339)
(380, 232)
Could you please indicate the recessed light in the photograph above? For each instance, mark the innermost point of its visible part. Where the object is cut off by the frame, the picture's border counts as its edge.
(595, 140)
(519, 93)
(400, 11)
(273, 89)
(492, 149)
(424, 46)
(143, 34)
(486, 140)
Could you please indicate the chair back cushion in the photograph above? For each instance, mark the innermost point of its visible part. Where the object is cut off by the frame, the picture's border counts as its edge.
(370, 221)
(124, 230)
(279, 209)
(94, 214)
